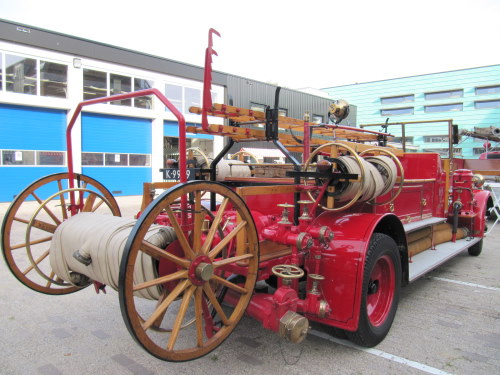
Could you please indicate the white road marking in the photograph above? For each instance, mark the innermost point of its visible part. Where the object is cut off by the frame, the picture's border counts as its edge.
(380, 353)
(465, 283)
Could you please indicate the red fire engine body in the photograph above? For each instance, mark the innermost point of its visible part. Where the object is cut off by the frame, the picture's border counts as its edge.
(330, 238)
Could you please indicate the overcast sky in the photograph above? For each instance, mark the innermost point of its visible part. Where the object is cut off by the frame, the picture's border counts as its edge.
(296, 44)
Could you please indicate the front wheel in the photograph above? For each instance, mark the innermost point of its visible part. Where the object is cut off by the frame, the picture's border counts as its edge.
(380, 293)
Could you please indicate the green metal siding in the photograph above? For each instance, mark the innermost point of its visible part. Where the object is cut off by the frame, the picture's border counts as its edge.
(366, 96)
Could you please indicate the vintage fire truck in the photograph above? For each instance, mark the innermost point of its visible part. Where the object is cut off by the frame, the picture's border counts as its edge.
(331, 238)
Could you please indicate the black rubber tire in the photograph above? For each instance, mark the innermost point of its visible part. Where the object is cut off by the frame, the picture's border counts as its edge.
(476, 249)
(381, 247)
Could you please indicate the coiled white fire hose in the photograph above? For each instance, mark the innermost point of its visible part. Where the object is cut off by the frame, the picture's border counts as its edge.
(101, 239)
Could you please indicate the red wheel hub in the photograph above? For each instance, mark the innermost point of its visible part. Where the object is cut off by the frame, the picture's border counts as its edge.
(381, 288)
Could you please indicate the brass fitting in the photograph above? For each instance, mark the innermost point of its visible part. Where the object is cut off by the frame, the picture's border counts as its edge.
(293, 327)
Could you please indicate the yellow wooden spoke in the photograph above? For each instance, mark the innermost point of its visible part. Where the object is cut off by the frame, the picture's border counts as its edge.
(198, 312)
(46, 209)
(229, 284)
(188, 251)
(217, 249)
(63, 201)
(235, 259)
(165, 304)
(161, 280)
(214, 227)
(198, 221)
(37, 261)
(211, 296)
(23, 245)
(180, 318)
(157, 253)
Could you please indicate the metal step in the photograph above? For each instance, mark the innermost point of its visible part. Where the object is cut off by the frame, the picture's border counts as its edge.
(410, 227)
(430, 259)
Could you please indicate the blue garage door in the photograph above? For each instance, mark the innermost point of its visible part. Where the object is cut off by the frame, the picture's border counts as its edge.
(32, 145)
(116, 151)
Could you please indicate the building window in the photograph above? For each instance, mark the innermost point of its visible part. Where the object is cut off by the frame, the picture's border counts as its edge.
(400, 139)
(397, 99)
(53, 79)
(435, 138)
(18, 157)
(138, 160)
(396, 111)
(487, 104)
(120, 85)
(20, 74)
(24, 157)
(116, 159)
(257, 107)
(478, 150)
(92, 158)
(444, 151)
(99, 159)
(192, 98)
(443, 108)
(95, 84)
(488, 90)
(317, 119)
(262, 108)
(50, 157)
(444, 94)
(145, 102)
(174, 95)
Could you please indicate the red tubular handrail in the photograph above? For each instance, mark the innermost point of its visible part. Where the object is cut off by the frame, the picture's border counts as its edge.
(163, 99)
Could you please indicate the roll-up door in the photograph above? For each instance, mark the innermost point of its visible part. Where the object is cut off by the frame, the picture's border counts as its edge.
(32, 145)
(116, 151)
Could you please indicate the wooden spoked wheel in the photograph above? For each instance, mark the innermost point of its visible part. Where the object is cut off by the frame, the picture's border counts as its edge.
(33, 217)
(206, 279)
(241, 154)
(196, 150)
(401, 173)
(334, 147)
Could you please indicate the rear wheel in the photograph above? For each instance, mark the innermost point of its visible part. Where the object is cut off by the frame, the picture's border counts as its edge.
(380, 293)
(476, 249)
(205, 278)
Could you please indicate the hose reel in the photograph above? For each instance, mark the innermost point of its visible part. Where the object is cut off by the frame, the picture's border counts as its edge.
(101, 239)
(378, 175)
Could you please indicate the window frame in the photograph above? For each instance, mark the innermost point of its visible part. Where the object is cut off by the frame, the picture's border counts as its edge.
(441, 95)
(383, 111)
(390, 100)
(427, 107)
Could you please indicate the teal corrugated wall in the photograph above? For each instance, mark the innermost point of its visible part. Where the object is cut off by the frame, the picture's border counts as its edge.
(366, 96)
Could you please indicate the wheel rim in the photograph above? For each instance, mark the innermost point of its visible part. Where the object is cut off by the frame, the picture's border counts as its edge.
(34, 216)
(197, 278)
(380, 291)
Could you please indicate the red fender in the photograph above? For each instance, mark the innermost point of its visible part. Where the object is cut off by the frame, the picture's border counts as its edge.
(342, 265)
(481, 197)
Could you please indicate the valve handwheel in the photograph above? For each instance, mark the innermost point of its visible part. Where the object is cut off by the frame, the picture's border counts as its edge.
(197, 272)
(287, 271)
(37, 211)
(359, 181)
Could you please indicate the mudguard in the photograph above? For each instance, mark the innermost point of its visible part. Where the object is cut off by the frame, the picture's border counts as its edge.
(343, 263)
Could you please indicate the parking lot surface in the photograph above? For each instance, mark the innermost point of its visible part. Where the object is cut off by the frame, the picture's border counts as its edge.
(447, 323)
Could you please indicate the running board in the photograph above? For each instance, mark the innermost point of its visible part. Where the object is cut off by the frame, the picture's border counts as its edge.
(429, 259)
